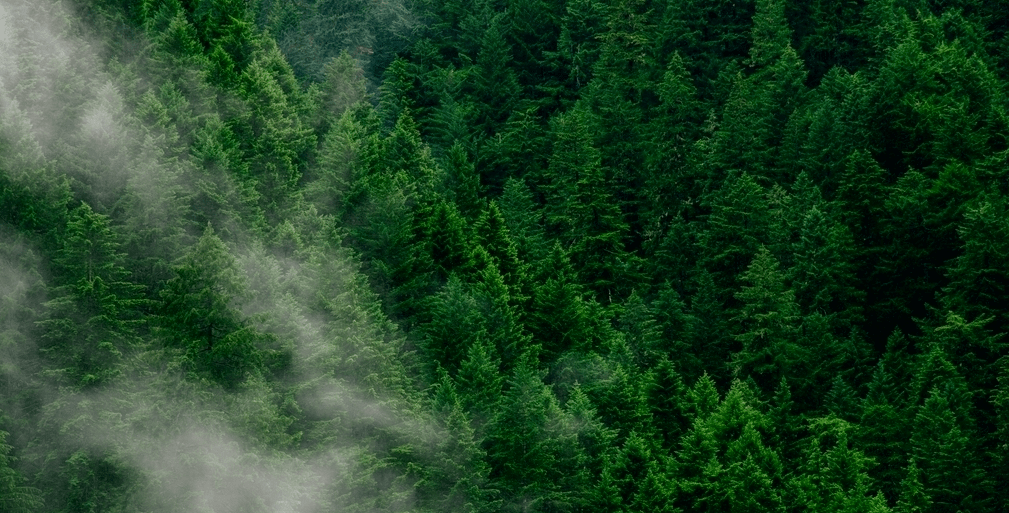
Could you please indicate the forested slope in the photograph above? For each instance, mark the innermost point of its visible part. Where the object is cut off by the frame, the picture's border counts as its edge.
(297, 256)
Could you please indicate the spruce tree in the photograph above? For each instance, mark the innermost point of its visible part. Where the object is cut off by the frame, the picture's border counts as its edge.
(95, 312)
(15, 497)
(767, 325)
(201, 314)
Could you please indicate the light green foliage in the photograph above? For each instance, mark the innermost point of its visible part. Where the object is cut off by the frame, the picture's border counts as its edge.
(15, 497)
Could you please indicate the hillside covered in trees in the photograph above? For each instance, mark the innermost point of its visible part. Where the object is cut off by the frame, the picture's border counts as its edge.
(299, 256)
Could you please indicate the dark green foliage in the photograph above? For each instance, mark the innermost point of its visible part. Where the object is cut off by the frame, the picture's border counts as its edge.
(93, 315)
(527, 445)
(767, 325)
(201, 315)
(503, 255)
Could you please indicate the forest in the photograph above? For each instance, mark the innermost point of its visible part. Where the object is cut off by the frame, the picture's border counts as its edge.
(656, 256)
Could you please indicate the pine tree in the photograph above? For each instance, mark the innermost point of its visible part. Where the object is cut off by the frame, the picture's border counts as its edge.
(520, 148)
(94, 314)
(768, 325)
(344, 85)
(479, 382)
(498, 90)
(578, 43)
(979, 286)
(913, 498)
(274, 135)
(457, 476)
(524, 220)
(462, 181)
(672, 128)
(834, 474)
(723, 462)
(711, 335)
(454, 327)
(493, 234)
(738, 224)
(524, 450)
(823, 274)
(668, 400)
(15, 497)
(713, 36)
(953, 475)
(559, 316)
(201, 315)
(581, 210)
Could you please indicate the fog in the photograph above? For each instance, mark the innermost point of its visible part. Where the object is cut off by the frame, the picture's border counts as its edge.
(169, 440)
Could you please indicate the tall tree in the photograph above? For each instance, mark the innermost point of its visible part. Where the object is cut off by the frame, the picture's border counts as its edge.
(15, 497)
(95, 310)
(202, 317)
(581, 210)
(767, 326)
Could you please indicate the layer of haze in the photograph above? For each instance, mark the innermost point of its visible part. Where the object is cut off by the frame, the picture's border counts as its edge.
(189, 445)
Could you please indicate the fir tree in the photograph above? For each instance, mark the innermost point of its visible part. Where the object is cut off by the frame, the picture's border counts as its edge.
(15, 497)
(768, 325)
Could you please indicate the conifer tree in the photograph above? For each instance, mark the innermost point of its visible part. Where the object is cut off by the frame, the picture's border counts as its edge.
(201, 315)
(724, 463)
(738, 224)
(15, 497)
(524, 220)
(479, 382)
(498, 88)
(953, 475)
(94, 314)
(454, 327)
(768, 325)
(524, 448)
(457, 478)
(823, 273)
(834, 475)
(344, 85)
(581, 210)
(913, 498)
(578, 43)
(558, 318)
(978, 282)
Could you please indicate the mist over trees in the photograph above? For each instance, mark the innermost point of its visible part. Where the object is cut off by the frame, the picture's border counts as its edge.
(298, 256)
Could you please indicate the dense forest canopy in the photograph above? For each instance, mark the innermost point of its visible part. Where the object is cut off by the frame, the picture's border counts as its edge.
(298, 256)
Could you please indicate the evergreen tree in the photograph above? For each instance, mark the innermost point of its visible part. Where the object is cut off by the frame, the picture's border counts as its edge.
(768, 325)
(723, 462)
(201, 315)
(15, 497)
(559, 316)
(344, 85)
(834, 475)
(498, 90)
(457, 477)
(738, 224)
(524, 448)
(953, 476)
(823, 274)
(479, 382)
(977, 286)
(913, 498)
(94, 314)
(581, 210)
(455, 326)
